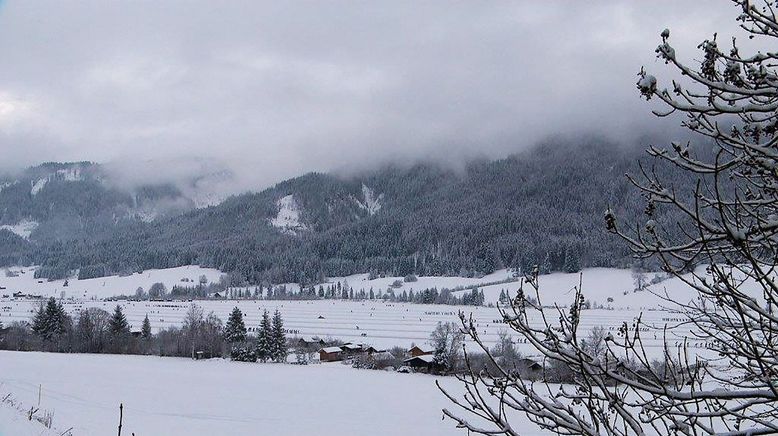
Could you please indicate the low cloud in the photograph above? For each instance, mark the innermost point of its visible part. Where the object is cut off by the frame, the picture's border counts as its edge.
(270, 90)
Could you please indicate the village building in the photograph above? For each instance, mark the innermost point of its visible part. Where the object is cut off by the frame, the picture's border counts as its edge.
(422, 362)
(420, 350)
(331, 354)
(310, 341)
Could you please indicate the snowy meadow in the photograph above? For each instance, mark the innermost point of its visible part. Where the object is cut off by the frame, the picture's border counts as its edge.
(199, 398)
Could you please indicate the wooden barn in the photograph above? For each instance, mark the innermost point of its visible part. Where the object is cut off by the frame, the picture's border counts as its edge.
(331, 354)
(423, 362)
(309, 342)
(420, 351)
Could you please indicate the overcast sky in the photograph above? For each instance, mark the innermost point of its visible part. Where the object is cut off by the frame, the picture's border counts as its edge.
(274, 89)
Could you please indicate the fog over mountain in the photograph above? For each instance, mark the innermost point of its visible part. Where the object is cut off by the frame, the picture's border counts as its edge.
(266, 91)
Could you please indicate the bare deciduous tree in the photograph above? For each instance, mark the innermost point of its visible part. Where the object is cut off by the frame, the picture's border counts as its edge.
(731, 227)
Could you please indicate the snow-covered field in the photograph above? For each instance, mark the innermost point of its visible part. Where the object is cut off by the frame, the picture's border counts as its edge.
(171, 396)
(21, 279)
(381, 324)
(180, 396)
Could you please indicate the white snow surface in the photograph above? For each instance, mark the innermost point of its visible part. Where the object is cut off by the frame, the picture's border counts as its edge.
(372, 203)
(38, 185)
(288, 218)
(23, 228)
(362, 281)
(70, 174)
(174, 396)
(101, 287)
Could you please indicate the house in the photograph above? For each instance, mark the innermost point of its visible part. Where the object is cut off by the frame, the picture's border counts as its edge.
(371, 350)
(311, 341)
(529, 368)
(331, 354)
(424, 362)
(424, 350)
(351, 349)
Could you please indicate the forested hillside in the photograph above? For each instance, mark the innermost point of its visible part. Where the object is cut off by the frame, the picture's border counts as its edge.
(543, 206)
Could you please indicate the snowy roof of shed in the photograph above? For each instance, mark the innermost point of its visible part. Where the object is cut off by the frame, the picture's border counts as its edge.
(428, 358)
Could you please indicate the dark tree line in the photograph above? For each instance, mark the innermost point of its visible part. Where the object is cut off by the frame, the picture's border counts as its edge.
(513, 212)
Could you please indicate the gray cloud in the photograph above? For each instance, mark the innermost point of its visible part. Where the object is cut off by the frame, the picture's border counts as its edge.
(274, 89)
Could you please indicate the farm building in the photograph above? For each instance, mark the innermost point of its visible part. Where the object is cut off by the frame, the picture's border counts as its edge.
(331, 354)
(311, 341)
(529, 368)
(425, 362)
(351, 349)
(369, 349)
(421, 351)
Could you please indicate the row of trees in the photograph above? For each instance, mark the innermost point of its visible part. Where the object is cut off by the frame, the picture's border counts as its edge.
(96, 331)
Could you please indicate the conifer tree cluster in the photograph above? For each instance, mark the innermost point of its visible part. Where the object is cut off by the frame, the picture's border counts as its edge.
(271, 339)
(50, 321)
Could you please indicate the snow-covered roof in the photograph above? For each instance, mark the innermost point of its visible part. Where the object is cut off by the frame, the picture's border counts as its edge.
(423, 348)
(428, 358)
(353, 346)
(331, 350)
(383, 355)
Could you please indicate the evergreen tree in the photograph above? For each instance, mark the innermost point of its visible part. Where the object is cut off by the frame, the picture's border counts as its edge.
(545, 266)
(572, 259)
(145, 331)
(118, 325)
(50, 321)
(39, 321)
(235, 330)
(264, 345)
(85, 332)
(278, 338)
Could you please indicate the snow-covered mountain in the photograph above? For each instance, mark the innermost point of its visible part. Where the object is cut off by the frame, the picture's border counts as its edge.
(61, 201)
(423, 219)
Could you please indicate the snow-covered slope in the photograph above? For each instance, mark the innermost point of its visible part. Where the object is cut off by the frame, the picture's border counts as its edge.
(288, 217)
(372, 203)
(23, 228)
(38, 185)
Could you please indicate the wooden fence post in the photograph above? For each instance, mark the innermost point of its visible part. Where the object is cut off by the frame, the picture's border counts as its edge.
(121, 412)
